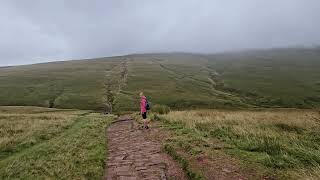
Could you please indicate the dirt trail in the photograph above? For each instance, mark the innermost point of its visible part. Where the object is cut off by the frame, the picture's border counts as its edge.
(132, 156)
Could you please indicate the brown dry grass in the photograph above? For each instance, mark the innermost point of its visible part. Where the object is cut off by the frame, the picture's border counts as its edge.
(247, 119)
(43, 143)
(284, 140)
(25, 126)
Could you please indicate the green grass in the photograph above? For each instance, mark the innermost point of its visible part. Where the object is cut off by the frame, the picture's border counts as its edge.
(280, 140)
(188, 146)
(289, 76)
(160, 109)
(276, 77)
(71, 149)
(183, 163)
(72, 84)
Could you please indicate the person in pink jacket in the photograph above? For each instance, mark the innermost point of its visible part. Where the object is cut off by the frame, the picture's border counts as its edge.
(143, 110)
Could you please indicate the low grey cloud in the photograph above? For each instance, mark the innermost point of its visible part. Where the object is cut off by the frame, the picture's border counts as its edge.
(44, 30)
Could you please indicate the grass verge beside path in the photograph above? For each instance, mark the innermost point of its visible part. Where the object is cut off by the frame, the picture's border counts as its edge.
(162, 136)
(199, 156)
(204, 158)
(76, 153)
(283, 143)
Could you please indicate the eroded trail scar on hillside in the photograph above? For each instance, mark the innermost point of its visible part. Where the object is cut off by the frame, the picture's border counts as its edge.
(132, 156)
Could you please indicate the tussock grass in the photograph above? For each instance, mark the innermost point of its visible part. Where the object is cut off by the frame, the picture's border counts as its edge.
(161, 109)
(278, 139)
(23, 127)
(41, 143)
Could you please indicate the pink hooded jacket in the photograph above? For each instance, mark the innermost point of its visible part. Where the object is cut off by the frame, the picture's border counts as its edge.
(143, 103)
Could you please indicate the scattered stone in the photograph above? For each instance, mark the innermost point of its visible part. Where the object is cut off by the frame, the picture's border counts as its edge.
(141, 168)
(226, 170)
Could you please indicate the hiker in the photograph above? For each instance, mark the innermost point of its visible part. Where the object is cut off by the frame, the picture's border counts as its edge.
(143, 110)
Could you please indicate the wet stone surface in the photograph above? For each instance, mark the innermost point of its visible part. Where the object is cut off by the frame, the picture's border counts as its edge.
(131, 156)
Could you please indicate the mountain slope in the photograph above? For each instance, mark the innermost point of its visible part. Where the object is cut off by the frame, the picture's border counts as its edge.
(278, 77)
(291, 77)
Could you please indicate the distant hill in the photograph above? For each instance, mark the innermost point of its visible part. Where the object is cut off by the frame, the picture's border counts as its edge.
(258, 78)
(289, 77)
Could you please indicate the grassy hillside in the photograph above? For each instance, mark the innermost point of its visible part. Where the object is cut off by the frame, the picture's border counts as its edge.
(47, 143)
(280, 77)
(291, 77)
(61, 84)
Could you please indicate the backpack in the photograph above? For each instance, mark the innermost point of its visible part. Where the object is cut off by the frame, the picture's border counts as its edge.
(148, 105)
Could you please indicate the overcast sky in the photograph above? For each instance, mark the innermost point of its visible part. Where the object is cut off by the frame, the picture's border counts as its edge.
(48, 30)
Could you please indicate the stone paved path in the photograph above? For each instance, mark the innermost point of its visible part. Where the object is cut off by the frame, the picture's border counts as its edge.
(131, 156)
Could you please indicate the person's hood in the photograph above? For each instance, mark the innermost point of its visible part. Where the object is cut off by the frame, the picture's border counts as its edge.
(143, 97)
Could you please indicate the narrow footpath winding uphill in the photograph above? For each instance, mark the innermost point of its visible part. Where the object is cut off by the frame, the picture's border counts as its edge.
(132, 156)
